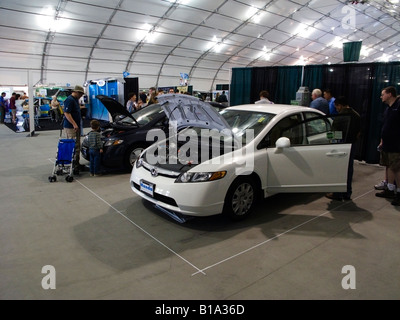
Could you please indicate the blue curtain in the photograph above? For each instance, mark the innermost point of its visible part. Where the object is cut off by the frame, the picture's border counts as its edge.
(240, 90)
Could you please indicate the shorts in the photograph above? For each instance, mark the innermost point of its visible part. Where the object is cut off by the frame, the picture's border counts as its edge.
(391, 160)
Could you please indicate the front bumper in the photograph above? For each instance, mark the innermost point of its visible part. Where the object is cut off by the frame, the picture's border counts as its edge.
(188, 199)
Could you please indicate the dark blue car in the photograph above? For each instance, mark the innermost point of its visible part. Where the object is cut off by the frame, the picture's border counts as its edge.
(125, 137)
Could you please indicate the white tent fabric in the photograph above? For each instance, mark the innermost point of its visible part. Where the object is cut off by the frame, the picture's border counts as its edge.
(68, 42)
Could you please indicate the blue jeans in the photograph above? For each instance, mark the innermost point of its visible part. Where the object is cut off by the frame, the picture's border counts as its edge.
(94, 161)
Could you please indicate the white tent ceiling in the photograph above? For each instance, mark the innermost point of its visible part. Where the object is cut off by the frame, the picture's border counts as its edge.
(67, 41)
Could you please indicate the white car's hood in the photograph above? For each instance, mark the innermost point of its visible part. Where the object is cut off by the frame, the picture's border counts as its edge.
(189, 111)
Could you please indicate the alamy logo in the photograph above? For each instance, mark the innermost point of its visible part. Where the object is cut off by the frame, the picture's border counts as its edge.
(349, 280)
(349, 20)
(49, 280)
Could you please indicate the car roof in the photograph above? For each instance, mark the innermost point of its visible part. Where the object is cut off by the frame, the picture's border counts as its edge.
(273, 108)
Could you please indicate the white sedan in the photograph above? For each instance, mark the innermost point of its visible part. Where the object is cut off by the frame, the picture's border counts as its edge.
(223, 162)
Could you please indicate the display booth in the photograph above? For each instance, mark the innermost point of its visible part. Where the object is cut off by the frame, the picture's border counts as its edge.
(111, 87)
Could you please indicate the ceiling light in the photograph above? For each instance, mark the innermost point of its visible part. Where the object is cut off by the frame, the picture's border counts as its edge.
(384, 58)
(251, 12)
(301, 61)
(49, 21)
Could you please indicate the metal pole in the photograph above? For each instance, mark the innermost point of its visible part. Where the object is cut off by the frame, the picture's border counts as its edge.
(31, 109)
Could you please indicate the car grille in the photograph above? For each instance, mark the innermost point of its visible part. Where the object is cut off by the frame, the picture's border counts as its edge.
(160, 171)
(160, 197)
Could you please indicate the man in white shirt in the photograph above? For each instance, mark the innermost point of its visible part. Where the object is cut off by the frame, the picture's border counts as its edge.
(264, 95)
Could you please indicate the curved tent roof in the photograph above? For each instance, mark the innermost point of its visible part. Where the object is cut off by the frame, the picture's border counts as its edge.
(67, 41)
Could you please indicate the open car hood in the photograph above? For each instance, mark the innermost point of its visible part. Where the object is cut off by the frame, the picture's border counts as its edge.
(114, 107)
(189, 111)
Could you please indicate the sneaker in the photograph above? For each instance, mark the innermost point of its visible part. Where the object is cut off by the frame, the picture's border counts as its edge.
(381, 186)
(91, 174)
(389, 194)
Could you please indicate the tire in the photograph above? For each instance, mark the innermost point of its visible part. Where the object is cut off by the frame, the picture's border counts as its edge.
(69, 178)
(132, 155)
(240, 199)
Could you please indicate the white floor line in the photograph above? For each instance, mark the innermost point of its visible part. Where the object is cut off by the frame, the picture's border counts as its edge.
(275, 237)
(139, 227)
(228, 258)
(136, 225)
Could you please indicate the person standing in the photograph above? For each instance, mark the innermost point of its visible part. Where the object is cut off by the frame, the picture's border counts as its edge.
(390, 144)
(318, 102)
(223, 98)
(331, 101)
(131, 104)
(264, 98)
(348, 122)
(3, 107)
(55, 108)
(72, 122)
(95, 148)
(13, 107)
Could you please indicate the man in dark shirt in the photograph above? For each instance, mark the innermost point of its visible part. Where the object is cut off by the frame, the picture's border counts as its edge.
(390, 144)
(72, 122)
(13, 107)
(2, 107)
(348, 123)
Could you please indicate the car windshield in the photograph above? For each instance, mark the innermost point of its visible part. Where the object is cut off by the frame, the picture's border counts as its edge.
(242, 121)
(145, 115)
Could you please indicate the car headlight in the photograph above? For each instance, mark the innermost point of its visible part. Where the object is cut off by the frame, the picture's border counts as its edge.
(113, 142)
(200, 176)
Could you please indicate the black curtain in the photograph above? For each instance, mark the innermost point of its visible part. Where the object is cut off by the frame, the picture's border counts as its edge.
(263, 78)
(360, 83)
(288, 83)
(384, 75)
(131, 85)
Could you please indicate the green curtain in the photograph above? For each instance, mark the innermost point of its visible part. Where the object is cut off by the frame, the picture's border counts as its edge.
(351, 51)
(313, 77)
(385, 75)
(288, 83)
(240, 89)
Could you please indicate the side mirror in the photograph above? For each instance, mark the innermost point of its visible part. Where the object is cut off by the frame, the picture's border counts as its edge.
(282, 142)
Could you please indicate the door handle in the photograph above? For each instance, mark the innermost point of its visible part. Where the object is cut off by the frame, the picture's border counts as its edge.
(335, 153)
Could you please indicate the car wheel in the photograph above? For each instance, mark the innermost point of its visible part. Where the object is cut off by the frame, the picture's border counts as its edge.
(132, 155)
(240, 199)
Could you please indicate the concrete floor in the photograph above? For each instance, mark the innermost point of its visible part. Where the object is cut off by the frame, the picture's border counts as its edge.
(104, 242)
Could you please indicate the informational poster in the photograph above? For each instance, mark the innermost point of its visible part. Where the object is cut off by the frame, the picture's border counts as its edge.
(182, 89)
(184, 79)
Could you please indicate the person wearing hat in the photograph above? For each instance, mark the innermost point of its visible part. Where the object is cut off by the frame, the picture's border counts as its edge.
(72, 122)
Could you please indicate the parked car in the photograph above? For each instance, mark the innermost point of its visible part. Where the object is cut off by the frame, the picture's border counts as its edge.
(262, 150)
(124, 138)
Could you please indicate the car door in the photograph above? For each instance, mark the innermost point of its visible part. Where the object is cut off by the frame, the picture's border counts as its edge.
(311, 161)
